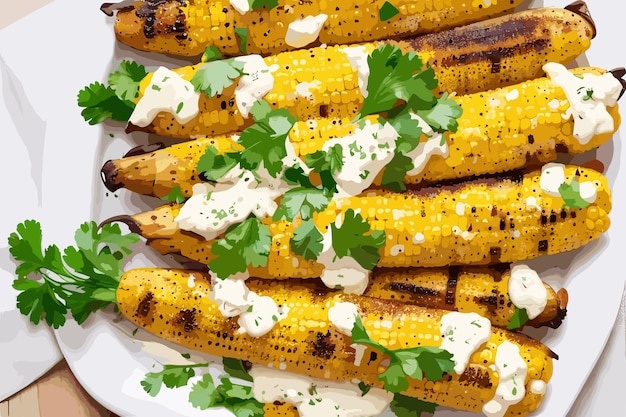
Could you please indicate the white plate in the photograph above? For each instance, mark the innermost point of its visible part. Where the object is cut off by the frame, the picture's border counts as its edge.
(107, 359)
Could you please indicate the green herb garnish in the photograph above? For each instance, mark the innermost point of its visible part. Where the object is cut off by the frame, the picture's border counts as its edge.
(172, 376)
(387, 11)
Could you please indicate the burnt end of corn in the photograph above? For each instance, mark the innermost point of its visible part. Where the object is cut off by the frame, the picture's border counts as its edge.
(162, 17)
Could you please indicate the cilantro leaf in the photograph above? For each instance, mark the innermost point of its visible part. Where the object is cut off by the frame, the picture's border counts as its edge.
(303, 201)
(409, 132)
(175, 195)
(211, 53)
(242, 34)
(354, 238)
(326, 163)
(203, 394)
(518, 319)
(571, 195)
(258, 4)
(405, 406)
(396, 76)
(236, 369)
(172, 376)
(387, 11)
(213, 77)
(100, 103)
(125, 81)
(246, 243)
(83, 279)
(307, 241)
(234, 397)
(260, 110)
(443, 116)
(395, 171)
(213, 165)
(417, 362)
(265, 140)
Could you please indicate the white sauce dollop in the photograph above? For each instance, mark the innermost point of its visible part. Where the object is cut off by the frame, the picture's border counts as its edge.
(242, 6)
(526, 290)
(552, 176)
(315, 397)
(512, 370)
(365, 153)
(342, 315)
(167, 92)
(357, 55)
(588, 97)
(434, 145)
(538, 387)
(257, 80)
(257, 314)
(302, 32)
(462, 334)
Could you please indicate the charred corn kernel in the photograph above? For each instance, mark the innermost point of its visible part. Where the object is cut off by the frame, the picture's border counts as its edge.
(187, 28)
(476, 148)
(333, 79)
(511, 219)
(161, 302)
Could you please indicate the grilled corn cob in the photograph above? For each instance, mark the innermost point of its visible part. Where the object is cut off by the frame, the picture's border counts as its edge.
(332, 82)
(482, 290)
(477, 222)
(481, 145)
(186, 28)
(306, 342)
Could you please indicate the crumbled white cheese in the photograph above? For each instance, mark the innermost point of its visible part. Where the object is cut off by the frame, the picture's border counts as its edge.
(512, 370)
(257, 314)
(462, 334)
(257, 80)
(302, 32)
(396, 250)
(512, 95)
(314, 397)
(357, 55)
(365, 153)
(242, 6)
(552, 176)
(167, 92)
(434, 145)
(303, 89)
(526, 290)
(538, 387)
(343, 315)
(589, 96)
(588, 191)
(418, 238)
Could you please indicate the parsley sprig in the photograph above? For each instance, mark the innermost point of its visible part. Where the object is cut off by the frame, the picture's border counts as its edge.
(417, 362)
(570, 192)
(236, 398)
(355, 239)
(172, 376)
(115, 101)
(82, 279)
(214, 76)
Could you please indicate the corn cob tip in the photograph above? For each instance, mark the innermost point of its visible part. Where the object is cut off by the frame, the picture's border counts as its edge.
(144, 149)
(108, 174)
(619, 74)
(581, 9)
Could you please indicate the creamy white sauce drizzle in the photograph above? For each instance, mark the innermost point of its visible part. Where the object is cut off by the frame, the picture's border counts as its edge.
(314, 397)
(167, 92)
(512, 370)
(589, 98)
(242, 6)
(526, 290)
(302, 32)
(434, 145)
(214, 207)
(342, 315)
(257, 314)
(357, 55)
(365, 153)
(462, 334)
(257, 80)
(345, 273)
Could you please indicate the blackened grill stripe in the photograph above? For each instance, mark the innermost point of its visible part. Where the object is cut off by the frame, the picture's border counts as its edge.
(412, 288)
(453, 279)
(494, 56)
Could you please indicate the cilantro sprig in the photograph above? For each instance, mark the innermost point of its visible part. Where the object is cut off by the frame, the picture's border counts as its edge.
(244, 244)
(115, 101)
(215, 76)
(82, 279)
(171, 376)
(236, 398)
(355, 239)
(405, 406)
(417, 362)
